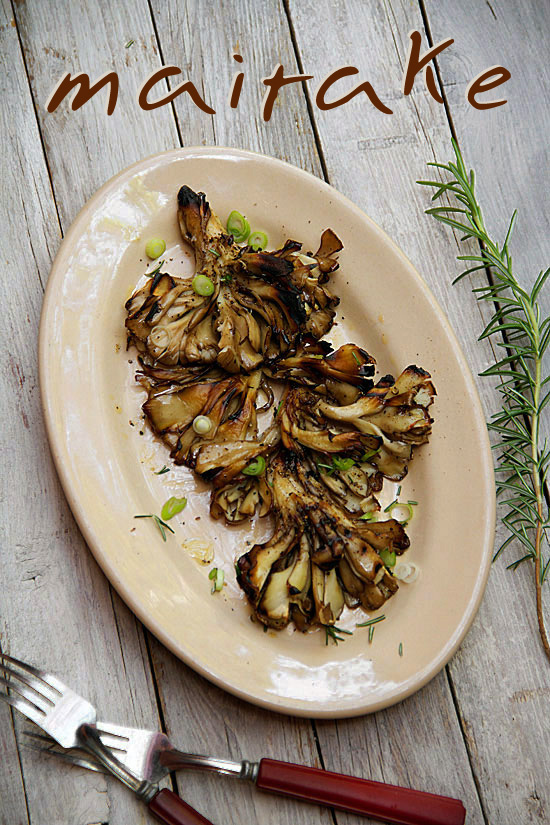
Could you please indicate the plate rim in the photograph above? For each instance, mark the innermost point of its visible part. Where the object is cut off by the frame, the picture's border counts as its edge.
(276, 704)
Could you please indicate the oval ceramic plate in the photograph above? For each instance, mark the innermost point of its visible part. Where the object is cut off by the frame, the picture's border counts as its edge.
(108, 461)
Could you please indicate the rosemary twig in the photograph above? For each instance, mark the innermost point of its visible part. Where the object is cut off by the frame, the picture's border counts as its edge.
(523, 461)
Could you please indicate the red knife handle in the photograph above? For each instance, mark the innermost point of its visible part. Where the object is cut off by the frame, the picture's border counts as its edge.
(170, 808)
(390, 803)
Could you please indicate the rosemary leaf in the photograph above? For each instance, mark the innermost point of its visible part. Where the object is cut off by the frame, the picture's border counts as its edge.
(523, 458)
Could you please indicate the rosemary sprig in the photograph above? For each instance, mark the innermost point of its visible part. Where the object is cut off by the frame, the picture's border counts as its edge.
(331, 632)
(524, 458)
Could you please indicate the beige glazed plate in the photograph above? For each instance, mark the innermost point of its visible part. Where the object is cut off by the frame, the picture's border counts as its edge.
(107, 464)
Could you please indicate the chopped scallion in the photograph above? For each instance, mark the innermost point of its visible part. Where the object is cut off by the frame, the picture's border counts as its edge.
(388, 557)
(403, 508)
(172, 507)
(155, 247)
(342, 464)
(238, 226)
(256, 467)
(202, 424)
(203, 285)
(257, 240)
(369, 454)
(217, 577)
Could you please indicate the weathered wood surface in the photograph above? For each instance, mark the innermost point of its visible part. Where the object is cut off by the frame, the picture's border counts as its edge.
(479, 730)
(499, 673)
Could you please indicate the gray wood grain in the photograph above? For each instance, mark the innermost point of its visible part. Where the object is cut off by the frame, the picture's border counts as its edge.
(77, 168)
(480, 730)
(203, 45)
(203, 714)
(56, 606)
(502, 682)
(501, 653)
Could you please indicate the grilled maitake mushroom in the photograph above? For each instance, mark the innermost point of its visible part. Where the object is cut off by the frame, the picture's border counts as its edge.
(335, 436)
(263, 304)
(301, 572)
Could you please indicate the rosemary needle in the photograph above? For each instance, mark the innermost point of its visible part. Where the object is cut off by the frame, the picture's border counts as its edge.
(523, 460)
(162, 526)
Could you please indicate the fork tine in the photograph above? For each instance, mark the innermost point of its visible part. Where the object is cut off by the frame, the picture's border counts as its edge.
(70, 758)
(23, 692)
(35, 696)
(46, 678)
(24, 707)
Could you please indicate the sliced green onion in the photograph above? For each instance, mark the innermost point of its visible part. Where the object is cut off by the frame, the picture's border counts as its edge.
(238, 226)
(369, 454)
(155, 247)
(398, 491)
(371, 633)
(165, 469)
(257, 240)
(203, 285)
(172, 507)
(400, 648)
(217, 576)
(368, 516)
(256, 467)
(403, 508)
(202, 424)
(356, 358)
(214, 253)
(342, 464)
(388, 557)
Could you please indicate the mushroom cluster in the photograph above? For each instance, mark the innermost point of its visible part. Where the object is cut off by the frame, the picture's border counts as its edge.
(214, 359)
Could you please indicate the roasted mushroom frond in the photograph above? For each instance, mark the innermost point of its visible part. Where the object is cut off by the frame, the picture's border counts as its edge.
(211, 366)
(228, 403)
(298, 571)
(200, 227)
(396, 412)
(343, 374)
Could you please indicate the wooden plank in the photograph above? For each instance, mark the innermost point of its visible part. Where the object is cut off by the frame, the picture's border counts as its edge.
(56, 607)
(375, 159)
(501, 666)
(87, 147)
(13, 807)
(203, 717)
(202, 44)
(75, 175)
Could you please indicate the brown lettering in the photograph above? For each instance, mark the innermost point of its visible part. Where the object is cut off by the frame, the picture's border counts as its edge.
(415, 64)
(366, 87)
(275, 82)
(161, 74)
(479, 85)
(237, 85)
(84, 91)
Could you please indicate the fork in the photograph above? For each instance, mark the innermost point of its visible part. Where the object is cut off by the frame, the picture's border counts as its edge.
(151, 756)
(70, 721)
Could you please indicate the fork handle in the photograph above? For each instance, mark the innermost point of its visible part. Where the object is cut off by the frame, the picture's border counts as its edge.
(170, 809)
(401, 806)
